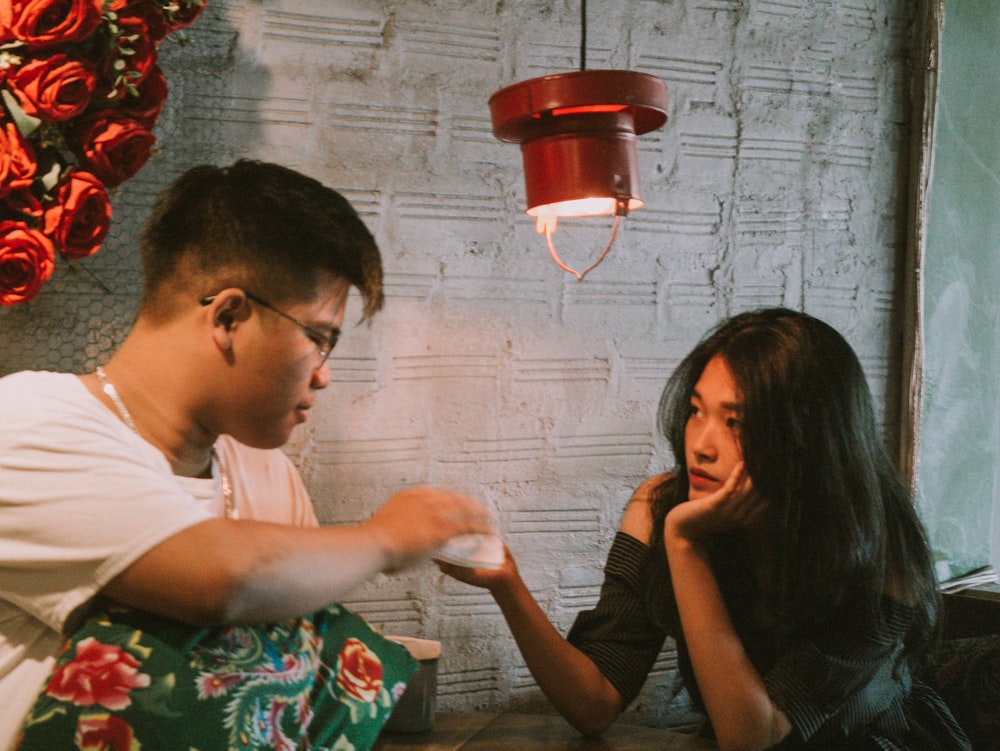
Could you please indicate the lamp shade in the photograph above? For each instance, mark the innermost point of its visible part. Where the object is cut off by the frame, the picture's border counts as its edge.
(577, 133)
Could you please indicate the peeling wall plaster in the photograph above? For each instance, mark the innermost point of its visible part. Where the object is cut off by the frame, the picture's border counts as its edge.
(777, 180)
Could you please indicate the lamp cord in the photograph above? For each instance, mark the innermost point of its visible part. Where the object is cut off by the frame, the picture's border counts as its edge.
(580, 274)
(583, 34)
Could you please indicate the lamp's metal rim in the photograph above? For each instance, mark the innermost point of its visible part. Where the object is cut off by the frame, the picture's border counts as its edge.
(514, 108)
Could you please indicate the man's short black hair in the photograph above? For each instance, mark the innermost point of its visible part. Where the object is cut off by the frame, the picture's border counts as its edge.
(254, 225)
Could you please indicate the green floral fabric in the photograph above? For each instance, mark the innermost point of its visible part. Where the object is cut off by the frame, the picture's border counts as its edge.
(131, 681)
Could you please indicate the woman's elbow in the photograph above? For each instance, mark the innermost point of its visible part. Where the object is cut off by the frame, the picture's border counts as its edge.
(592, 725)
(736, 744)
(749, 739)
(591, 718)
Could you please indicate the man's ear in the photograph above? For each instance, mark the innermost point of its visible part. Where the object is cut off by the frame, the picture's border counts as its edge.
(227, 311)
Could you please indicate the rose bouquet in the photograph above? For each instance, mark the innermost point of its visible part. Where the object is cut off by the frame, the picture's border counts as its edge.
(80, 92)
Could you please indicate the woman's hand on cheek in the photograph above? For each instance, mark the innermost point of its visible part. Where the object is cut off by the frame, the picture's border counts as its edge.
(732, 506)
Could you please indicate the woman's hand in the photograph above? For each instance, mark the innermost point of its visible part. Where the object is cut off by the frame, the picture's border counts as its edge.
(732, 506)
(570, 679)
(487, 578)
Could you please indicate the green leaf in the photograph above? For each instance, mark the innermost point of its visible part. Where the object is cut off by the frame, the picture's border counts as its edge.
(51, 178)
(155, 699)
(136, 646)
(34, 720)
(26, 124)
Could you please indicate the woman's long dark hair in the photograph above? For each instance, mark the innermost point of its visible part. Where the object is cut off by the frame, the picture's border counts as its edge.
(839, 522)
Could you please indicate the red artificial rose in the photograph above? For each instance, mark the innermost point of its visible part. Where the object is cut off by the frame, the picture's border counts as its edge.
(151, 15)
(27, 259)
(25, 203)
(55, 88)
(359, 671)
(145, 108)
(79, 219)
(104, 732)
(17, 160)
(161, 19)
(101, 674)
(184, 15)
(112, 146)
(133, 58)
(44, 22)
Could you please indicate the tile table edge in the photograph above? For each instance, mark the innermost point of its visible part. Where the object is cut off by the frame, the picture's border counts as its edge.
(485, 731)
(451, 730)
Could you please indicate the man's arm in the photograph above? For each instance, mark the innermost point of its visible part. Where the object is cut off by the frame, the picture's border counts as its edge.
(222, 572)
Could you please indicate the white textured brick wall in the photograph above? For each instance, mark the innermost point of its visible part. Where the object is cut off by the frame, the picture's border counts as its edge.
(776, 181)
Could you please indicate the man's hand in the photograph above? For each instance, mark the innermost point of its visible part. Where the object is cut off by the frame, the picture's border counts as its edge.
(416, 521)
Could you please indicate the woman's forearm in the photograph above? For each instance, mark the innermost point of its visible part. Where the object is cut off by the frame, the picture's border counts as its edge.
(735, 697)
(570, 679)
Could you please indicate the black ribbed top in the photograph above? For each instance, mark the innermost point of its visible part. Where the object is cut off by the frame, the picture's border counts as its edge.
(842, 689)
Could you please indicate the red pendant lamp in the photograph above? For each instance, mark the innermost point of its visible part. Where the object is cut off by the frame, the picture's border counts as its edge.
(577, 133)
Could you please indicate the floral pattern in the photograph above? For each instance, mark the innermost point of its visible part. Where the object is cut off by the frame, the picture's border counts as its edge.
(80, 92)
(104, 732)
(130, 680)
(101, 674)
(359, 672)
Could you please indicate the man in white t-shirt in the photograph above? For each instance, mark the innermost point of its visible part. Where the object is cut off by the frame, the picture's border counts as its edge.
(158, 481)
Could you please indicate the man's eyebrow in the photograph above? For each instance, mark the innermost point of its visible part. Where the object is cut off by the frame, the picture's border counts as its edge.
(321, 327)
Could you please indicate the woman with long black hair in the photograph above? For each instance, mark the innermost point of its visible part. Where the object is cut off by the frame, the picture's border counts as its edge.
(783, 554)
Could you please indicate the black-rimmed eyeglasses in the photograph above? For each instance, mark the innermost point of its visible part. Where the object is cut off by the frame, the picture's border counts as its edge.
(324, 342)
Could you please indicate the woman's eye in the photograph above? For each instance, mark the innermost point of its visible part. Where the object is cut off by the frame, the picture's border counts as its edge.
(734, 424)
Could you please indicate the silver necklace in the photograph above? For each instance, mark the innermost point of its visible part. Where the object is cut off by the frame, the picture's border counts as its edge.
(227, 486)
